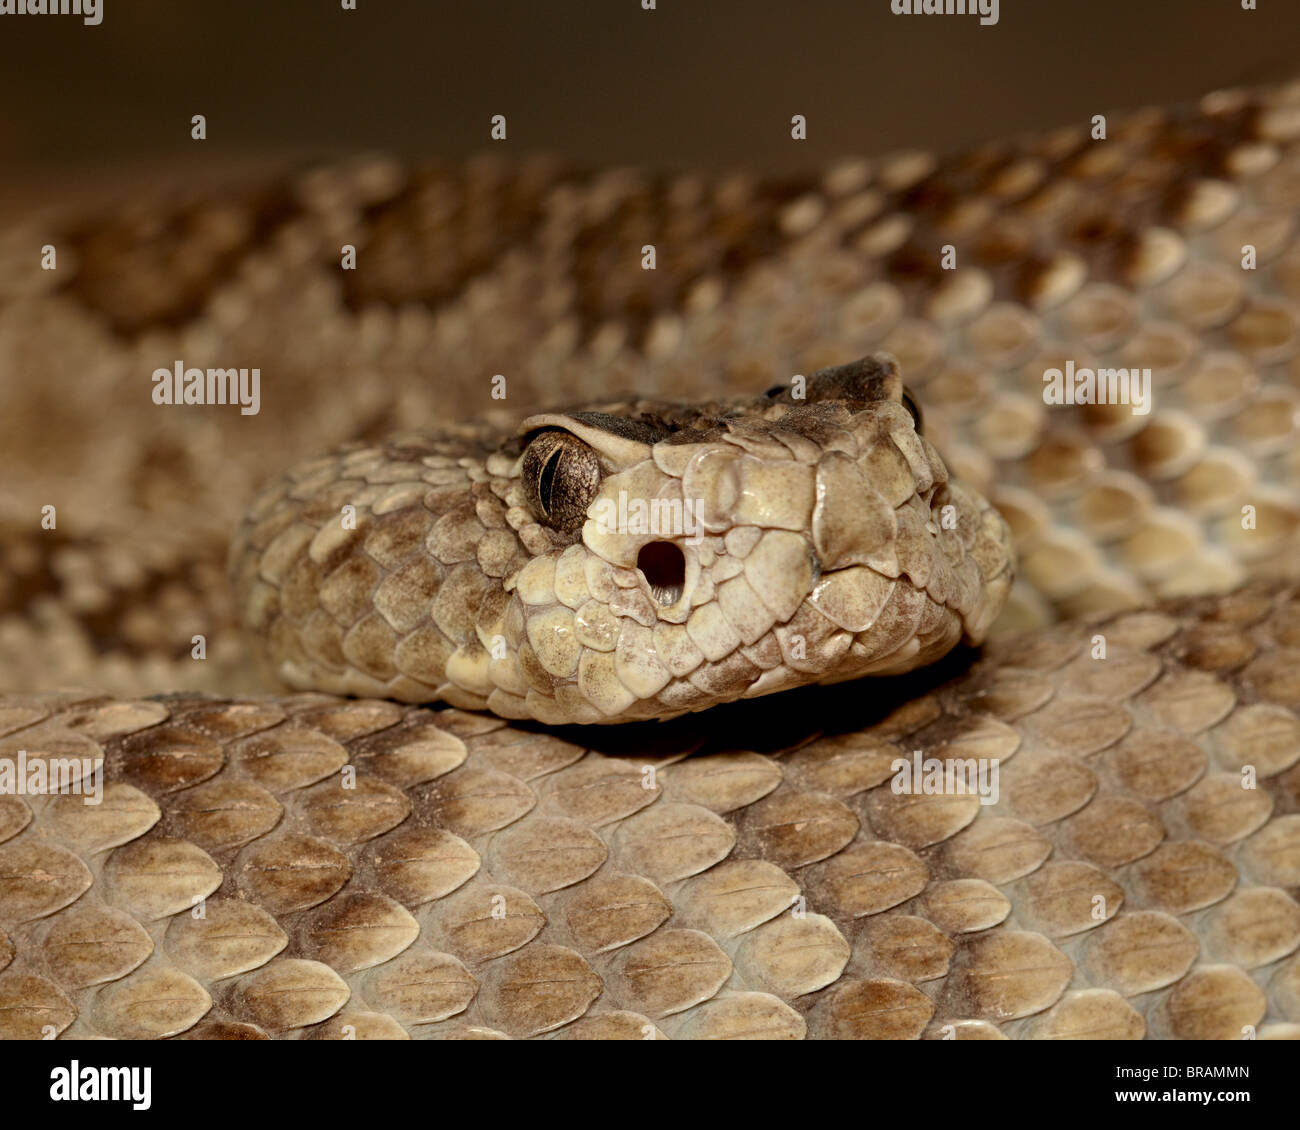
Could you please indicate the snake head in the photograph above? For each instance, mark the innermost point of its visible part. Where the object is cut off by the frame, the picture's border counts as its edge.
(634, 559)
(730, 551)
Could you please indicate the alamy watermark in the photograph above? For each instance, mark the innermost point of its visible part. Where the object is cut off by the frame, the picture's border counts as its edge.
(179, 385)
(90, 11)
(987, 10)
(76, 1083)
(950, 776)
(42, 776)
(658, 517)
(1098, 386)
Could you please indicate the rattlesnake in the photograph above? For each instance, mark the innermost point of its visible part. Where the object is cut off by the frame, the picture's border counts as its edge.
(324, 867)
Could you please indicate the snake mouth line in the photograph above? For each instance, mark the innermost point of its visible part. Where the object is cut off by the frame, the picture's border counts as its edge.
(663, 565)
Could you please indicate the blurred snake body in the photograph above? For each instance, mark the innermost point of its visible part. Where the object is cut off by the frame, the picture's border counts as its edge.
(549, 756)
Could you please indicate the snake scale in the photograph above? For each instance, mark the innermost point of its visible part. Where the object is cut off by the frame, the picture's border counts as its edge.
(321, 867)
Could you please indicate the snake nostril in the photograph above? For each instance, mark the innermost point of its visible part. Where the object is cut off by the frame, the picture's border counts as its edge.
(664, 567)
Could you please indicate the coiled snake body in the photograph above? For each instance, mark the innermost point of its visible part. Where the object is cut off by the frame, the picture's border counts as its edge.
(326, 867)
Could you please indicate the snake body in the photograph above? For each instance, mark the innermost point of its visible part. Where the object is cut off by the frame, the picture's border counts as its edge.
(315, 866)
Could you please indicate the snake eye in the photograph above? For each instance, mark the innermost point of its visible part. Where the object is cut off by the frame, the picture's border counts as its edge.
(914, 408)
(560, 475)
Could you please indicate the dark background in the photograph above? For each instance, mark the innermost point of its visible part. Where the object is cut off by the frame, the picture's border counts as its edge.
(704, 83)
